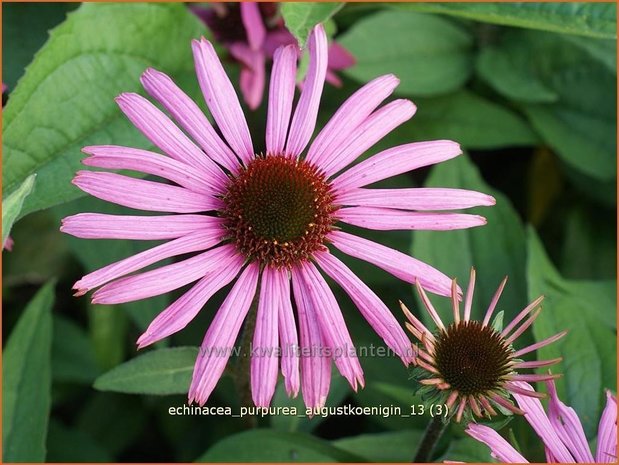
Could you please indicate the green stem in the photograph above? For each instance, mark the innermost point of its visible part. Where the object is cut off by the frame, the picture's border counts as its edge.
(241, 373)
(433, 433)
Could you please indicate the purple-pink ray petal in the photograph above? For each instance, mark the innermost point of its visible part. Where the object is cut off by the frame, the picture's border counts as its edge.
(528, 309)
(126, 158)
(332, 325)
(253, 73)
(222, 100)
(339, 57)
(500, 448)
(567, 425)
(400, 265)
(264, 356)
(304, 118)
(281, 95)
(182, 311)
(162, 132)
(396, 160)
(315, 364)
(385, 219)
(189, 116)
(468, 301)
(102, 226)
(607, 432)
(535, 415)
(539, 345)
(193, 242)
(348, 117)
(254, 26)
(416, 198)
(142, 194)
(164, 279)
(369, 132)
(221, 334)
(493, 303)
(429, 307)
(369, 304)
(288, 338)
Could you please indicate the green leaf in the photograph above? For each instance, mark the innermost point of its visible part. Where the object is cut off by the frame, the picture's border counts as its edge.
(72, 445)
(587, 310)
(429, 54)
(496, 249)
(476, 123)
(66, 98)
(301, 17)
(262, 445)
(466, 450)
(108, 329)
(162, 371)
(580, 18)
(393, 446)
(568, 95)
(73, 357)
(26, 391)
(12, 205)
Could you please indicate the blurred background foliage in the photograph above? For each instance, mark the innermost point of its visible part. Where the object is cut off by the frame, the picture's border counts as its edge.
(528, 89)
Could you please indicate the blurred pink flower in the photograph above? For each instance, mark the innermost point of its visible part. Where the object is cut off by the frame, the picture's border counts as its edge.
(266, 219)
(560, 430)
(252, 32)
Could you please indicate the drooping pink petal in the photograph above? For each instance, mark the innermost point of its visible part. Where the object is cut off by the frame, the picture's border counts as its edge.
(567, 425)
(264, 357)
(277, 38)
(339, 57)
(182, 311)
(253, 23)
(607, 432)
(252, 73)
(500, 448)
(415, 198)
(396, 160)
(221, 335)
(369, 132)
(193, 242)
(348, 117)
(222, 100)
(398, 264)
(190, 117)
(101, 226)
(126, 158)
(304, 119)
(142, 194)
(315, 364)
(288, 339)
(162, 280)
(331, 322)
(332, 78)
(369, 304)
(385, 219)
(162, 132)
(535, 415)
(281, 95)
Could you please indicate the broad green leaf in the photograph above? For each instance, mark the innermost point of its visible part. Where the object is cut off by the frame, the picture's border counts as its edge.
(569, 96)
(161, 371)
(12, 205)
(262, 445)
(73, 357)
(603, 50)
(587, 310)
(430, 55)
(495, 249)
(580, 18)
(393, 446)
(108, 327)
(27, 380)
(471, 120)
(301, 17)
(66, 98)
(25, 29)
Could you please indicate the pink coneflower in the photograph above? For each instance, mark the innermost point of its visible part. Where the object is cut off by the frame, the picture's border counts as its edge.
(266, 220)
(470, 366)
(252, 32)
(560, 430)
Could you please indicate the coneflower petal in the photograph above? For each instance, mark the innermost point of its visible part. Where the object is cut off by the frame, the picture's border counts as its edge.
(281, 95)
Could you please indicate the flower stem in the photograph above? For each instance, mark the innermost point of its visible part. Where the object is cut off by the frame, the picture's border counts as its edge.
(433, 433)
(241, 373)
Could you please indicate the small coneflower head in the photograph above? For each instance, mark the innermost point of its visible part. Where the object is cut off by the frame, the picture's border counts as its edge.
(471, 366)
